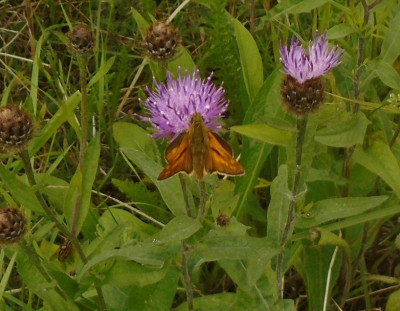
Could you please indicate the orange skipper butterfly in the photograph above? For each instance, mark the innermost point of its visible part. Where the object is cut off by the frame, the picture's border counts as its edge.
(201, 151)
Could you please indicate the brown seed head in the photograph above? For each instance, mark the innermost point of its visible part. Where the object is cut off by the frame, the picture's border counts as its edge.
(162, 40)
(223, 220)
(16, 128)
(12, 225)
(81, 39)
(302, 98)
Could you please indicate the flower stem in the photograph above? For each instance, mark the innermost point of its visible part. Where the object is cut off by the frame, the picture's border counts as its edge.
(301, 127)
(186, 277)
(185, 195)
(202, 204)
(82, 62)
(185, 248)
(60, 226)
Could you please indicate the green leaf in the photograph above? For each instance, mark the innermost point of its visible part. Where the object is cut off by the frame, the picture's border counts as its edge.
(7, 273)
(141, 152)
(349, 129)
(21, 192)
(250, 59)
(158, 296)
(331, 209)
(82, 184)
(278, 207)
(143, 25)
(219, 247)
(182, 61)
(265, 133)
(45, 290)
(340, 31)
(313, 264)
(355, 220)
(254, 153)
(64, 112)
(146, 253)
(293, 7)
(380, 160)
(393, 302)
(390, 48)
(386, 73)
(178, 229)
(102, 71)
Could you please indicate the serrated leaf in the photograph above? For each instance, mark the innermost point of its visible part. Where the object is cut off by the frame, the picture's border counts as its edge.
(380, 160)
(350, 130)
(265, 133)
(331, 209)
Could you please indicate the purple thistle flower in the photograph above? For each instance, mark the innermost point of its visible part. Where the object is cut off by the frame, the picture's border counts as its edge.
(317, 62)
(172, 104)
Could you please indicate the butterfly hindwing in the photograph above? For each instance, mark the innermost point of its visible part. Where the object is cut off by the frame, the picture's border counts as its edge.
(178, 157)
(220, 157)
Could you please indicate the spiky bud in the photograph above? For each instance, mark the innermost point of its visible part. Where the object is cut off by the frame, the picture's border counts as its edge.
(16, 128)
(12, 225)
(81, 39)
(65, 250)
(162, 40)
(302, 98)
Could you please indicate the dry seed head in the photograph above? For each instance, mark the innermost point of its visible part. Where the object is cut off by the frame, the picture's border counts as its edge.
(12, 225)
(162, 40)
(302, 98)
(223, 220)
(16, 128)
(81, 39)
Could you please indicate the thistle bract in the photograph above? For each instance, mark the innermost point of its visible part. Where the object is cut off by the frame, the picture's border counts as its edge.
(172, 104)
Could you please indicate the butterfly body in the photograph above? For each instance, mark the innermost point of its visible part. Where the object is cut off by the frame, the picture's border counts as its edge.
(201, 151)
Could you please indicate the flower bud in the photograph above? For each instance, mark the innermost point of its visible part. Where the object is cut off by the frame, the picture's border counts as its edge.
(81, 39)
(12, 225)
(16, 128)
(162, 40)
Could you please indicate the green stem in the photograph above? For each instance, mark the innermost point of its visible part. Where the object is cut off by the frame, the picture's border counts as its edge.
(82, 61)
(301, 126)
(60, 226)
(202, 204)
(186, 277)
(185, 268)
(185, 195)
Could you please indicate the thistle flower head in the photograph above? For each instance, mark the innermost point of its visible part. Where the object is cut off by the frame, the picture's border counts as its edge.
(172, 104)
(302, 66)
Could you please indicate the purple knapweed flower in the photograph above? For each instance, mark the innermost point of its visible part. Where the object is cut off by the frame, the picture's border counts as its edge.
(316, 63)
(303, 89)
(172, 104)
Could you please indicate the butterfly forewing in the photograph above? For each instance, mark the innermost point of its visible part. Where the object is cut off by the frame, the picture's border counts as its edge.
(178, 157)
(220, 157)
